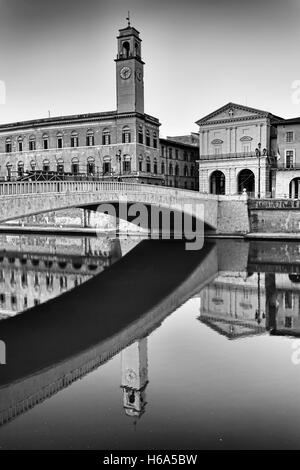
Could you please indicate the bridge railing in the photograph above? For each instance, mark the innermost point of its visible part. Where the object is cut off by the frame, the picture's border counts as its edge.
(41, 187)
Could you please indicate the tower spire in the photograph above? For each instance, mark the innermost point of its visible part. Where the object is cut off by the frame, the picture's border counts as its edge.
(128, 19)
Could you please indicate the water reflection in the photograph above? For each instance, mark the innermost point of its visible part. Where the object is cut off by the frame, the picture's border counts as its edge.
(34, 270)
(245, 290)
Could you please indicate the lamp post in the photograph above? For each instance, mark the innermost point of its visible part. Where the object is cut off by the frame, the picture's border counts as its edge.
(119, 160)
(258, 154)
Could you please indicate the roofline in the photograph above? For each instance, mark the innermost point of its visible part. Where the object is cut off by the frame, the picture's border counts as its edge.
(255, 110)
(177, 143)
(75, 118)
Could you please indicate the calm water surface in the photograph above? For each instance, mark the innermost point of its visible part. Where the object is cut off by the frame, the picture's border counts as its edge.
(127, 344)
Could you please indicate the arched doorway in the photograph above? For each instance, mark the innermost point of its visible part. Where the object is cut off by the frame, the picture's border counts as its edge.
(294, 192)
(246, 180)
(217, 182)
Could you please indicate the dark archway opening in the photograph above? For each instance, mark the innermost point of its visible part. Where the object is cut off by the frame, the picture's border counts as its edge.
(217, 183)
(246, 180)
(294, 188)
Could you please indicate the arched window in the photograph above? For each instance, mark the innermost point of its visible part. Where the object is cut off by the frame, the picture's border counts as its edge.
(155, 140)
(141, 163)
(186, 170)
(106, 165)
(8, 145)
(140, 135)
(45, 141)
(176, 170)
(155, 166)
(20, 169)
(148, 165)
(125, 49)
(170, 169)
(74, 139)
(46, 165)
(106, 139)
(148, 138)
(32, 143)
(20, 144)
(90, 166)
(75, 166)
(59, 140)
(60, 166)
(90, 139)
(126, 135)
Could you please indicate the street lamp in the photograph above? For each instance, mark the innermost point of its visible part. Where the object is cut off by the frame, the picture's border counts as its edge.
(119, 159)
(258, 154)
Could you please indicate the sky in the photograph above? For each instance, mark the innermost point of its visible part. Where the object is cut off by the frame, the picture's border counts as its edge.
(58, 56)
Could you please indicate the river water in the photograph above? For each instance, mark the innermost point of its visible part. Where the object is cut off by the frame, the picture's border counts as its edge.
(139, 344)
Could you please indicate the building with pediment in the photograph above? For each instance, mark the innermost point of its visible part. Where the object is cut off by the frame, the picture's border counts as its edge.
(238, 151)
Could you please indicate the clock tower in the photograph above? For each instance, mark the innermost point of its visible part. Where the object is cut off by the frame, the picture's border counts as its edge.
(130, 71)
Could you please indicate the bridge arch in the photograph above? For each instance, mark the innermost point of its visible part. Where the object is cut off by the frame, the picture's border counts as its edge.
(31, 198)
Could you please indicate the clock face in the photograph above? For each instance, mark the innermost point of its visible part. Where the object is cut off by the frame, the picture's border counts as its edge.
(130, 375)
(139, 75)
(125, 73)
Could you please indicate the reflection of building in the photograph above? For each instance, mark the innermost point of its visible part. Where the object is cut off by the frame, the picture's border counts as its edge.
(286, 300)
(30, 276)
(234, 305)
(135, 377)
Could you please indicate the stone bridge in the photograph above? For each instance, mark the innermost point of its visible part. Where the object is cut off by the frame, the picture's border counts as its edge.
(223, 214)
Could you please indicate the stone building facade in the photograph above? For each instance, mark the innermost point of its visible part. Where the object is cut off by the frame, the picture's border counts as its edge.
(179, 163)
(237, 151)
(121, 144)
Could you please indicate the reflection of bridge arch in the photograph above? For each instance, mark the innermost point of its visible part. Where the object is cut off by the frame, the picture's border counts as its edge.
(86, 333)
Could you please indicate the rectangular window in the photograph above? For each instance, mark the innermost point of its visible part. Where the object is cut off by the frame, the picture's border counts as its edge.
(46, 144)
(20, 146)
(170, 153)
(8, 147)
(288, 322)
(288, 299)
(155, 142)
(140, 165)
(162, 151)
(59, 143)
(289, 136)
(126, 166)
(148, 140)
(176, 154)
(32, 145)
(74, 141)
(289, 159)
(90, 141)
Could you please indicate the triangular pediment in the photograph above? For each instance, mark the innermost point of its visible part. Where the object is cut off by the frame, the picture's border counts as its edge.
(233, 112)
(231, 329)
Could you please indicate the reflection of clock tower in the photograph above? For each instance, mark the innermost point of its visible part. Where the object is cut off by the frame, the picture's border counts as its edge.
(135, 377)
(130, 71)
